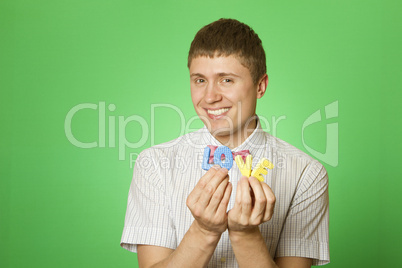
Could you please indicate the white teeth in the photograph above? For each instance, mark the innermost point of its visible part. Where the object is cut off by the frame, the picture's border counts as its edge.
(219, 111)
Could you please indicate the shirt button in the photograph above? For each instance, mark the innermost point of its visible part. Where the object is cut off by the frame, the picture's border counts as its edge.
(223, 259)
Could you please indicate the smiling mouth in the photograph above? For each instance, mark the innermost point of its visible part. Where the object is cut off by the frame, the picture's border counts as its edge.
(218, 111)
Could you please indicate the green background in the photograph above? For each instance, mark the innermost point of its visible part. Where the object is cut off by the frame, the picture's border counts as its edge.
(64, 206)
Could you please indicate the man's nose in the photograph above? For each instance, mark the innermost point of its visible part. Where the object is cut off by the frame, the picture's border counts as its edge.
(212, 93)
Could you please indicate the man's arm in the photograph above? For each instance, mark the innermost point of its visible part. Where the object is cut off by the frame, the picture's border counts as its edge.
(195, 250)
(149, 255)
(252, 208)
(293, 262)
(251, 251)
(208, 203)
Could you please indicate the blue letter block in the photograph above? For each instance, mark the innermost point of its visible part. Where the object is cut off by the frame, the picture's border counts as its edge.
(221, 150)
(205, 159)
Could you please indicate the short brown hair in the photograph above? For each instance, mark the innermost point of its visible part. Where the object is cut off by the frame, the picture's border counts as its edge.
(226, 37)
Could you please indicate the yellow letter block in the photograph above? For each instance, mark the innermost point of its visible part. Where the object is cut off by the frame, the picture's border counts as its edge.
(260, 169)
(245, 168)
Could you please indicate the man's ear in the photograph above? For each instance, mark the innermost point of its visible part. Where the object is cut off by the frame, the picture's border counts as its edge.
(262, 86)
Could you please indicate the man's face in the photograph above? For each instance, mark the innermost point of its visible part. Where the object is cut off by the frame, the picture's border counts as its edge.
(224, 96)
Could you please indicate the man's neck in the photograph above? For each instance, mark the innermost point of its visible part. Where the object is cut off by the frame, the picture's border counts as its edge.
(236, 138)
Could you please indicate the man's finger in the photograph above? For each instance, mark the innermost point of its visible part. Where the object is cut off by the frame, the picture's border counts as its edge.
(260, 201)
(246, 202)
(218, 195)
(196, 193)
(210, 188)
(225, 200)
(271, 199)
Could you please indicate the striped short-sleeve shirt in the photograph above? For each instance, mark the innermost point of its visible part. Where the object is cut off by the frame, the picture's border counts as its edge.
(164, 175)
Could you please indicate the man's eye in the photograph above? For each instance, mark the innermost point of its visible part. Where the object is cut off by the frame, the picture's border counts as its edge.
(226, 80)
(200, 80)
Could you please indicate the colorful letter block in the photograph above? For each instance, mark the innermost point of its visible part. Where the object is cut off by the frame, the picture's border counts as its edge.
(221, 150)
(260, 169)
(245, 168)
(205, 159)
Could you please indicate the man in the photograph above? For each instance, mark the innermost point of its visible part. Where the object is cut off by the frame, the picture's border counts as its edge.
(184, 216)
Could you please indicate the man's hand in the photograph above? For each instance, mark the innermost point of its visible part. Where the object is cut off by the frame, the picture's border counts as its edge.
(252, 206)
(209, 200)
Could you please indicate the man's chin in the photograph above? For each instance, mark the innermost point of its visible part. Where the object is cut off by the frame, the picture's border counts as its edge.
(221, 132)
(219, 129)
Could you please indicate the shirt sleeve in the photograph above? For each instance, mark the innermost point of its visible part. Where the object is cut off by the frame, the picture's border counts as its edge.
(148, 206)
(305, 231)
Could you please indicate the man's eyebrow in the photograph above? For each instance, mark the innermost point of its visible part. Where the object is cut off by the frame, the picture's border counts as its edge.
(228, 74)
(197, 74)
(219, 74)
